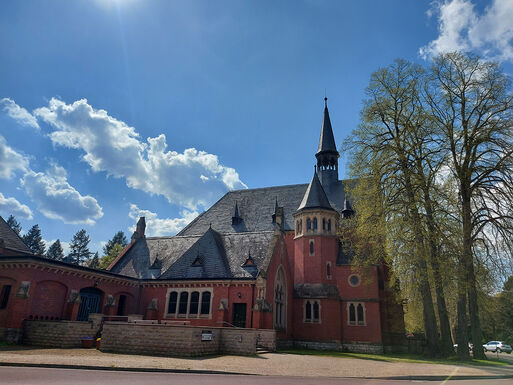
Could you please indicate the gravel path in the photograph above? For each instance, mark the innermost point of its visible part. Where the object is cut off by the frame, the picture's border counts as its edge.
(264, 364)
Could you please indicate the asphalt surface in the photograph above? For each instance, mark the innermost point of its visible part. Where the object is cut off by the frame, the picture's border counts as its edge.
(48, 376)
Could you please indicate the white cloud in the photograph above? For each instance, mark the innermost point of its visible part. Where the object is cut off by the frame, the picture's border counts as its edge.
(156, 227)
(10, 160)
(11, 206)
(191, 179)
(20, 114)
(461, 28)
(57, 199)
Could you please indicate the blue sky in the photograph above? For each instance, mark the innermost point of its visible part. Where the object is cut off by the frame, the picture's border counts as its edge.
(114, 109)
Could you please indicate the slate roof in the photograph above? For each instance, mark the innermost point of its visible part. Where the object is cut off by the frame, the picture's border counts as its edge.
(256, 208)
(327, 140)
(315, 197)
(221, 256)
(11, 240)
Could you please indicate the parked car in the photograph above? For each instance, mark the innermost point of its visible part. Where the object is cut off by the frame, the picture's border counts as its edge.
(497, 346)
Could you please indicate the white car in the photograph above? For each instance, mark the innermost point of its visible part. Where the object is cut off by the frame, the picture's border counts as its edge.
(497, 346)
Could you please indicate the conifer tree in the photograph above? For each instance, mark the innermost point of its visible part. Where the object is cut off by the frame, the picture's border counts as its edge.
(107, 259)
(119, 238)
(79, 252)
(14, 224)
(94, 263)
(34, 240)
(55, 251)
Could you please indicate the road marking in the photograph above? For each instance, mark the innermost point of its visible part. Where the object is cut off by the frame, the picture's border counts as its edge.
(450, 375)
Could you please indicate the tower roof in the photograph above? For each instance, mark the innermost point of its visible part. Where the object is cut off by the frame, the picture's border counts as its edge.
(315, 196)
(327, 140)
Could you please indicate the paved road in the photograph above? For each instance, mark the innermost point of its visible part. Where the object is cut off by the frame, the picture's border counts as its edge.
(49, 376)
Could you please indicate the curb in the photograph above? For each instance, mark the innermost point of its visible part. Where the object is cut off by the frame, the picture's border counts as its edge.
(120, 368)
(199, 371)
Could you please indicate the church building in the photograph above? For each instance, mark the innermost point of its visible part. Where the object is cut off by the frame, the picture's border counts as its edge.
(264, 258)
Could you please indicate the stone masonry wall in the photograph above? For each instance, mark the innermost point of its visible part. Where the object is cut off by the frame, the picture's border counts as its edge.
(60, 334)
(167, 340)
(175, 340)
(266, 338)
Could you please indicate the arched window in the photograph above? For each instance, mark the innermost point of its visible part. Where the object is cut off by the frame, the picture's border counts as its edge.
(359, 314)
(316, 315)
(323, 224)
(312, 250)
(328, 270)
(182, 306)
(300, 226)
(308, 224)
(205, 302)
(173, 299)
(297, 227)
(280, 300)
(193, 309)
(352, 315)
(329, 224)
(315, 224)
(308, 311)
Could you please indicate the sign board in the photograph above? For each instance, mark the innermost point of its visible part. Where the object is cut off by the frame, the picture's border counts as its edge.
(206, 335)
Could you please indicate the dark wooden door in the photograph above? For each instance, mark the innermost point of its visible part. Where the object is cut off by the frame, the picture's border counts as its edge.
(90, 301)
(239, 315)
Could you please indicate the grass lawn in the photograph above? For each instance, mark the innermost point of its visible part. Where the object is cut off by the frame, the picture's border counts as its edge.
(397, 357)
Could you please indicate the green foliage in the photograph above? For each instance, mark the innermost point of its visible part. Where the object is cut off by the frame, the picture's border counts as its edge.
(106, 260)
(119, 238)
(14, 224)
(55, 251)
(79, 251)
(34, 240)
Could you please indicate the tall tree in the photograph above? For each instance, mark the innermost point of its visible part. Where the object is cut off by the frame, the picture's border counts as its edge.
(472, 105)
(384, 145)
(79, 252)
(14, 224)
(106, 260)
(119, 238)
(55, 251)
(34, 240)
(94, 263)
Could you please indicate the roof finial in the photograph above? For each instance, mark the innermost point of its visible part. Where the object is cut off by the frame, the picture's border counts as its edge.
(315, 168)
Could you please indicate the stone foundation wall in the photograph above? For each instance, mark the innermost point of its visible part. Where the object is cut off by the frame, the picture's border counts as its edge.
(59, 334)
(266, 339)
(357, 347)
(11, 335)
(177, 340)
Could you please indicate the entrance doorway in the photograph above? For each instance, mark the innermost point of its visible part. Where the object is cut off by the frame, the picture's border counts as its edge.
(90, 302)
(121, 305)
(239, 315)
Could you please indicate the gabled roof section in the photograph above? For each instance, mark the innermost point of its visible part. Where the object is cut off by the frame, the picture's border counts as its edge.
(205, 259)
(315, 196)
(11, 240)
(327, 140)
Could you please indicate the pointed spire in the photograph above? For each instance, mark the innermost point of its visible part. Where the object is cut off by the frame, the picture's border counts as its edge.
(347, 211)
(236, 219)
(327, 140)
(315, 196)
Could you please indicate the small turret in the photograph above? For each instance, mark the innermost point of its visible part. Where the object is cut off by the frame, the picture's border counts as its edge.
(347, 211)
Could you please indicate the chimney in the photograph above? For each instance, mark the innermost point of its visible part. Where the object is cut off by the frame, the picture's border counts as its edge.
(139, 230)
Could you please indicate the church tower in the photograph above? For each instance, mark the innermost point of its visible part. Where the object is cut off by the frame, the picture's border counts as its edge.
(315, 238)
(327, 154)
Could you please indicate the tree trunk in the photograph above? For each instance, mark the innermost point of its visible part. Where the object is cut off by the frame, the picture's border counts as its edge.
(445, 327)
(428, 311)
(475, 324)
